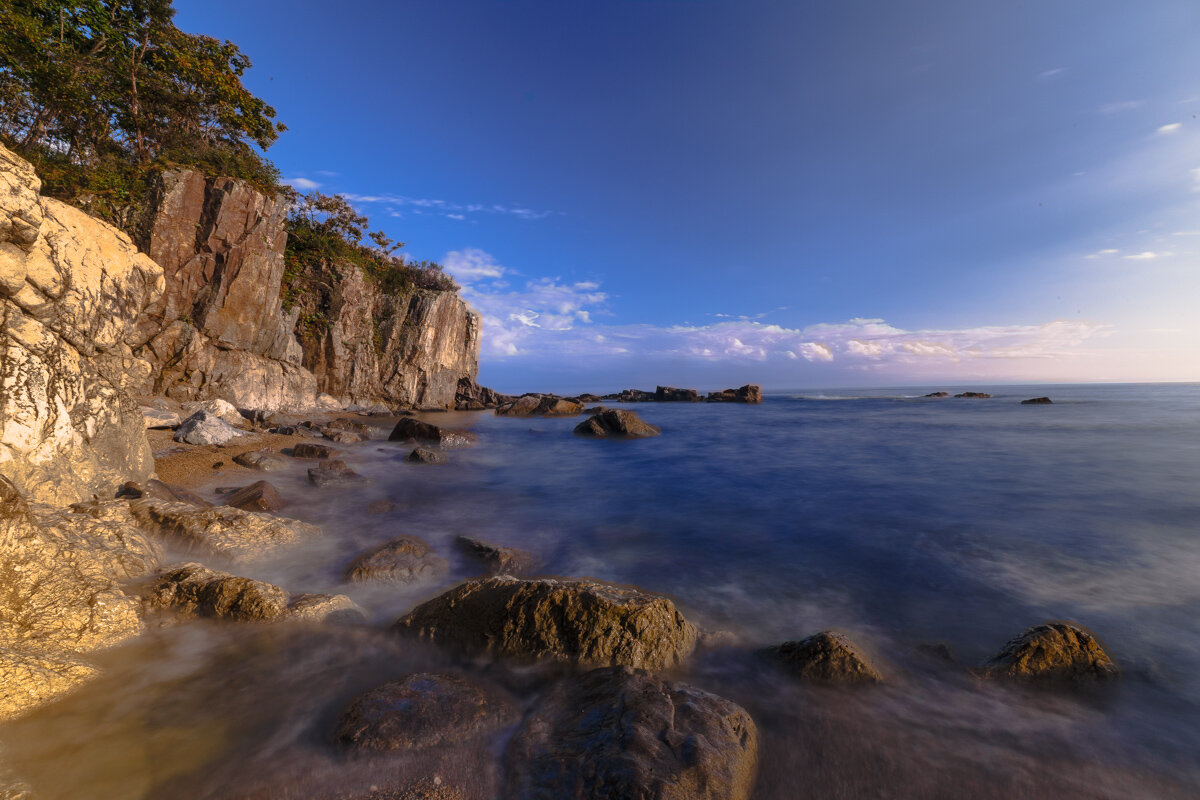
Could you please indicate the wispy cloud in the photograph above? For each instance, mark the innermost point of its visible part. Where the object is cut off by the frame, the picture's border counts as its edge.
(1124, 105)
(1111, 251)
(303, 184)
(447, 207)
(1168, 129)
(1050, 73)
(1147, 255)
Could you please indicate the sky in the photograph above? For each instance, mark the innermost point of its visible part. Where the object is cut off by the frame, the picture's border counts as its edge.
(797, 194)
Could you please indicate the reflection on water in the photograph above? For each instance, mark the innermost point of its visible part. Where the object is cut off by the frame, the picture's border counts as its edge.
(900, 519)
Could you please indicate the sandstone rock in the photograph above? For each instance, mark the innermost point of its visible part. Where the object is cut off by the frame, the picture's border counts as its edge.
(196, 591)
(205, 428)
(222, 409)
(973, 394)
(826, 657)
(619, 732)
(498, 560)
(71, 288)
(337, 608)
(29, 678)
(423, 455)
(531, 405)
(1037, 401)
(230, 532)
(334, 473)
(158, 418)
(307, 450)
(576, 622)
(409, 429)
(421, 710)
(262, 460)
(404, 559)
(258, 496)
(669, 394)
(750, 393)
(617, 424)
(1053, 651)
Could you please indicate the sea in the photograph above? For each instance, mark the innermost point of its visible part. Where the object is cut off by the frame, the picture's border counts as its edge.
(930, 531)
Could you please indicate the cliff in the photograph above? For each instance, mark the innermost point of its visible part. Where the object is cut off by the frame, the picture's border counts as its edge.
(219, 329)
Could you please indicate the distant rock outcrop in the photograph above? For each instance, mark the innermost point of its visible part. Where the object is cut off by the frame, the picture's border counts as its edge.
(750, 393)
(616, 424)
(1037, 401)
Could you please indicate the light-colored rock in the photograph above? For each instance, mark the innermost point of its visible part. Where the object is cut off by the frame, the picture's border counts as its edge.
(404, 559)
(159, 418)
(217, 407)
(71, 288)
(324, 608)
(230, 532)
(205, 428)
(1053, 651)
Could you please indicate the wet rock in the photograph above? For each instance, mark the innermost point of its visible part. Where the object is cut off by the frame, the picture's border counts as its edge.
(334, 473)
(1053, 651)
(750, 393)
(937, 394)
(222, 409)
(349, 426)
(409, 429)
(196, 591)
(404, 559)
(307, 450)
(157, 490)
(158, 418)
(205, 428)
(423, 455)
(335, 608)
(669, 394)
(342, 437)
(973, 394)
(531, 405)
(262, 460)
(575, 622)
(631, 396)
(498, 560)
(130, 490)
(230, 532)
(421, 710)
(258, 496)
(1037, 401)
(827, 657)
(616, 424)
(620, 733)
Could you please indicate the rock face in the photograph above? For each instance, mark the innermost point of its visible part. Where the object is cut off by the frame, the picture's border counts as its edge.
(473, 397)
(71, 288)
(421, 710)
(570, 621)
(1053, 651)
(617, 424)
(404, 559)
(827, 657)
(622, 733)
(750, 393)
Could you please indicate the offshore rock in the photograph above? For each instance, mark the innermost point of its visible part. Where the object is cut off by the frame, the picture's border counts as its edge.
(973, 394)
(1053, 651)
(1037, 401)
(616, 424)
(619, 732)
(230, 532)
(576, 622)
(498, 560)
(669, 394)
(533, 405)
(404, 559)
(937, 394)
(413, 430)
(750, 393)
(205, 428)
(421, 710)
(196, 591)
(71, 288)
(827, 657)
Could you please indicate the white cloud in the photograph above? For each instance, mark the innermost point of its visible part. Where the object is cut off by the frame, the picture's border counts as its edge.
(456, 216)
(1050, 73)
(1112, 251)
(1171, 128)
(467, 266)
(1195, 173)
(447, 207)
(1148, 255)
(1186, 233)
(1124, 105)
(303, 184)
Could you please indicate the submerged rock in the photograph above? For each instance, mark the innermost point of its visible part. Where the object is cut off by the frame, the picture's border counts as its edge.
(826, 657)
(230, 532)
(421, 710)
(616, 424)
(577, 622)
(334, 472)
(423, 455)
(750, 393)
(258, 496)
(205, 428)
(1037, 401)
(498, 560)
(620, 733)
(262, 460)
(404, 559)
(1053, 651)
(409, 429)
(197, 591)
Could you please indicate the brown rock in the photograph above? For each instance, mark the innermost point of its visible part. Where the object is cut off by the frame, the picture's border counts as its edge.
(616, 424)
(336, 608)
(409, 429)
(258, 496)
(194, 590)
(230, 532)
(498, 560)
(404, 559)
(423, 455)
(575, 622)
(308, 450)
(1053, 651)
(826, 657)
(470, 396)
(1037, 401)
(334, 472)
(421, 710)
(937, 394)
(262, 460)
(973, 394)
(750, 393)
(620, 733)
(669, 394)
(531, 405)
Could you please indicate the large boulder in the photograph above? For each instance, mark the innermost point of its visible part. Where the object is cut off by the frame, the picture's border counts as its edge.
(1053, 651)
(195, 590)
(261, 460)
(669, 394)
(71, 288)
(258, 496)
(750, 393)
(230, 532)
(404, 559)
(470, 396)
(539, 405)
(576, 622)
(616, 424)
(217, 407)
(421, 710)
(619, 732)
(205, 428)
(828, 657)
(409, 429)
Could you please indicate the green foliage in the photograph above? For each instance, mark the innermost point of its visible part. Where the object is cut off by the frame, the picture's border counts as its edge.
(102, 93)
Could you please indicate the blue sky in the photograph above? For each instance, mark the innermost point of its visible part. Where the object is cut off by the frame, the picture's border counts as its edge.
(799, 194)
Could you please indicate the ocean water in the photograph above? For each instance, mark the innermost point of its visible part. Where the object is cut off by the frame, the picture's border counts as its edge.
(901, 520)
